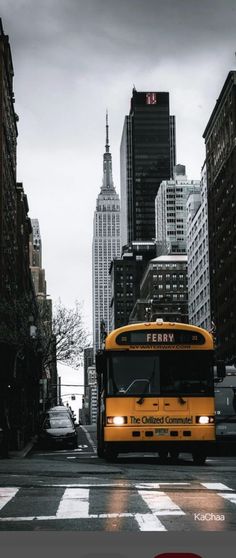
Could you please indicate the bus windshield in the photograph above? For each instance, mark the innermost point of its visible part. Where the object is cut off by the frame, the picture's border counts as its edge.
(163, 373)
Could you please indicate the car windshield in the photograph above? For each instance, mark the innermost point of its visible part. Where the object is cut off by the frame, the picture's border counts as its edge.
(166, 373)
(57, 422)
(58, 414)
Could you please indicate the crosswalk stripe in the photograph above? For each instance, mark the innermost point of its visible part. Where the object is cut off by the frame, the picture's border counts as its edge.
(149, 522)
(230, 497)
(159, 503)
(215, 486)
(74, 501)
(6, 494)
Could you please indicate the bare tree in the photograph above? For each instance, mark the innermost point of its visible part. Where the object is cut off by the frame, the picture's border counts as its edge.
(58, 332)
(62, 333)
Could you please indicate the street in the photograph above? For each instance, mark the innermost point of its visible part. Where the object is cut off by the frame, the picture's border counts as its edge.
(74, 490)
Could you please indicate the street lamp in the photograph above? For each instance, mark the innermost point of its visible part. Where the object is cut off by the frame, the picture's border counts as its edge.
(32, 328)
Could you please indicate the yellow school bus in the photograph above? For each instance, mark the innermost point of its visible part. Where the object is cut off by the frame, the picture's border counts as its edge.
(156, 391)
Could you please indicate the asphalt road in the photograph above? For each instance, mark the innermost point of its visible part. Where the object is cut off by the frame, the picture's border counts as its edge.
(75, 490)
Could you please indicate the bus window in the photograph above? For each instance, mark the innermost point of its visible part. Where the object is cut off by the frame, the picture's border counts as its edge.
(131, 375)
(168, 373)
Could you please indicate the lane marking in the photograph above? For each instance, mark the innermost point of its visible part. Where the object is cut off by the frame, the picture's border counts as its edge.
(119, 485)
(90, 441)
(159, 503)
(72, 516)
(159, 484)
(6, 494)
(58, 452)
(140, 486)
(148, 522)
(215, 486)
(90, 485)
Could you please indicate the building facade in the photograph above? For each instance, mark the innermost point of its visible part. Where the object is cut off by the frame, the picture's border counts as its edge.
(91, 393)
(106, 247)
(8, 194)
(20, 361)
(163, 291)
(172, 145)
(198, 257)
(147, 153)
(171, 211)
(49, 380)
(36, 244)
(126, 273)
(88, 361)
(38, 273)
(220, 143)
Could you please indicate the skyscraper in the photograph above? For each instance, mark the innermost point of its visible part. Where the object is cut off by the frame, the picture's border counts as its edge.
(198, 256)
(106, 246)
(171, 211)
(147, 154)
(219, 137)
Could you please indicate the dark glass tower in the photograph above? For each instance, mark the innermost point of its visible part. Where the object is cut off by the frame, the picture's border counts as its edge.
(147, 155)
(220, 142)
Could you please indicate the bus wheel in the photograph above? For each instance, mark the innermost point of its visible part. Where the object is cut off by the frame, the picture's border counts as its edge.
(174, 455)
(110, 454)
(163, 456)
(100, 451)
(199, 458)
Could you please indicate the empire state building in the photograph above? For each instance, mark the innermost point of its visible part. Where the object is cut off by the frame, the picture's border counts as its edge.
(106, 246)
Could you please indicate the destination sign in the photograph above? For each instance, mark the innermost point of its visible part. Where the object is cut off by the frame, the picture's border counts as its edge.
(161, 337)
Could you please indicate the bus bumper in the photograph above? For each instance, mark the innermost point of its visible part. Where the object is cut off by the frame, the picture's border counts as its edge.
(185, 440)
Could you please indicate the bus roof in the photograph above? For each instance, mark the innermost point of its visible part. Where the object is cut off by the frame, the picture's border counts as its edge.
(168, 338)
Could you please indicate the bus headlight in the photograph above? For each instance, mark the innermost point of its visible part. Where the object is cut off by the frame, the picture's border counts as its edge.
(117, 421)
(205, 419)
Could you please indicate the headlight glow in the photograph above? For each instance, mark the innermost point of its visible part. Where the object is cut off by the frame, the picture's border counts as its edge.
(204, 420)
(117, 421)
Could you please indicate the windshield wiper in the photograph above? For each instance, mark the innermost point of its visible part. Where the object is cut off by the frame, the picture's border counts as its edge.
(142, 397)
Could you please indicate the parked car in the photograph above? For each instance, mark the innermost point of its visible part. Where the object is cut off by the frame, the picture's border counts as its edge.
(58, 410)
(58, 430)
(61, 409)
(225, 404)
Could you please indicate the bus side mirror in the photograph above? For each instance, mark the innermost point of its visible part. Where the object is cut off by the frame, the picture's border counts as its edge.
(100, 362)
(220, 370)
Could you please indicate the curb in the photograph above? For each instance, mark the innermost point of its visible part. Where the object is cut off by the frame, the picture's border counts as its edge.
(20, 454)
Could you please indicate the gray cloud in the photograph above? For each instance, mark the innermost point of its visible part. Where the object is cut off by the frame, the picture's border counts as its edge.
(74, 58)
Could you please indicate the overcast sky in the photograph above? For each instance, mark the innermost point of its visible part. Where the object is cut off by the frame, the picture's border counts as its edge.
(75, 58)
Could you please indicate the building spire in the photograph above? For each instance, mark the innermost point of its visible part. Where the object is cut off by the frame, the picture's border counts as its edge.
(107, 133)
(107, 183)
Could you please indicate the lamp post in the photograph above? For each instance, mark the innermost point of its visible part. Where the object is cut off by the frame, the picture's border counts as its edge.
(148, 310)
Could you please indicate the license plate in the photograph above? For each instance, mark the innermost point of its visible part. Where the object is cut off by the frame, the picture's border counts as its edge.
(161, 431)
